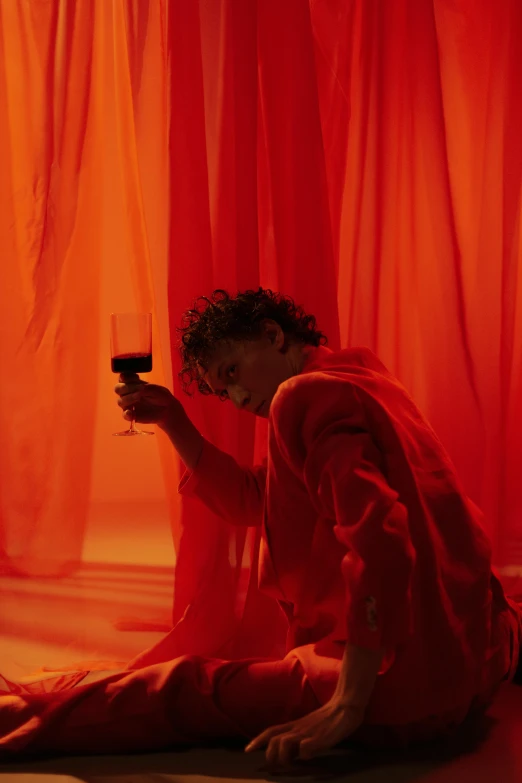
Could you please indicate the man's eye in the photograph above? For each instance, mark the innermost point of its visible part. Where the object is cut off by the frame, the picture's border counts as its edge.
(231, 370)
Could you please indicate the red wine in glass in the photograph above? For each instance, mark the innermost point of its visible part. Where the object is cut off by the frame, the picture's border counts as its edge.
(131, 350)
(132, 362)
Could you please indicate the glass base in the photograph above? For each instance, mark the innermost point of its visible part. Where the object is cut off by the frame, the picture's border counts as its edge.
(126, 433)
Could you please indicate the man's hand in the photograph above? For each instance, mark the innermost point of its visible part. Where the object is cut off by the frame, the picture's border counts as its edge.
(310, 736)
(146, 403)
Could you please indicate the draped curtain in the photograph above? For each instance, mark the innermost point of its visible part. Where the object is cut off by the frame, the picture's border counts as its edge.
(362, 156)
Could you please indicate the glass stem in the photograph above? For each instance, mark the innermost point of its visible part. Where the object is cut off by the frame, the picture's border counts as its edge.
(132, 428)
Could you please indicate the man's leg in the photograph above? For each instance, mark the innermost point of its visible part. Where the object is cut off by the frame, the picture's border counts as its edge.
(190, 700)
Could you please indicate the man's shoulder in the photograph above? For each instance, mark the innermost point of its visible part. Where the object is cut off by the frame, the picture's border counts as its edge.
(301, 386)
(348, 360)
(330, 370)
(333, 385)
(318, 401)
(320, 388)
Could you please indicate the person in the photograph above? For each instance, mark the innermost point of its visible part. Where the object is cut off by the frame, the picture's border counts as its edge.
(398, 628)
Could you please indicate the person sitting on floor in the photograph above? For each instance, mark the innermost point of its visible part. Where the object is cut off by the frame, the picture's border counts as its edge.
(398, 627)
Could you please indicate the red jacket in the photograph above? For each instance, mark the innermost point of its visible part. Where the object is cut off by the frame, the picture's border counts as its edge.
(368, 537)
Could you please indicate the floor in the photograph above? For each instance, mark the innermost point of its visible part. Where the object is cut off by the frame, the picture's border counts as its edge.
(83, 617)
(127, 573)
(55, 623)
(491, 752)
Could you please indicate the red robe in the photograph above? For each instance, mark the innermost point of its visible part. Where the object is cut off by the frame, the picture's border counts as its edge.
(367, 538)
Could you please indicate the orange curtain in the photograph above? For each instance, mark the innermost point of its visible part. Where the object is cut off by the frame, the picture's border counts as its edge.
(49, 273)
(362, 156)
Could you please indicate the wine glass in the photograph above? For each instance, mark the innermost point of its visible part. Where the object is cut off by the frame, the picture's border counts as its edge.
(131, 350)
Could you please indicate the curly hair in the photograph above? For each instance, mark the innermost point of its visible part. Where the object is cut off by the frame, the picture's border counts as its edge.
(223, 317)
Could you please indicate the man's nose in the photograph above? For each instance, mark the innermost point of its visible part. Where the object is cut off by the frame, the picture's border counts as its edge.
(239, 397)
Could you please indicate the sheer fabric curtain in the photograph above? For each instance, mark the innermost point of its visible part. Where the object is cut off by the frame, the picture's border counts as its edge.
(363, 157)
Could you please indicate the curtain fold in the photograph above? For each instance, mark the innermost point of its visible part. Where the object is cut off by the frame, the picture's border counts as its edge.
(430, 229)
(362, 156)
(263, 146)
(48, 207)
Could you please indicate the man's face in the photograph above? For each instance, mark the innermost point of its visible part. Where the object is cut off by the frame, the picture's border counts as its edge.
(249, 372)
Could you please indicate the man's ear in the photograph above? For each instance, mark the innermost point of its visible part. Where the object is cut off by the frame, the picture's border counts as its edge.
(274, 333)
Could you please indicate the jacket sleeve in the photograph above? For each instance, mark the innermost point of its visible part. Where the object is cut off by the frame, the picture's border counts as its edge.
(233, 492)
(320, 426)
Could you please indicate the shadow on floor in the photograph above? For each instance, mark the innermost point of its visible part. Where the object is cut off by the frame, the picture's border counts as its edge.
(350, 764)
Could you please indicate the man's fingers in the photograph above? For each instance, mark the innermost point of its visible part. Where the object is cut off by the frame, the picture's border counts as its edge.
(309, 748)
(128, 383)
(264, 738)
(256, 744)
(130, 377)
(283, 749)
(272, 753)
(122, 389)
(128, 400)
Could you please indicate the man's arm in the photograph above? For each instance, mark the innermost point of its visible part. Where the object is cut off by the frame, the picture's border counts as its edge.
(359, 671)
(233, 492)
(321, 429)
(184, 436)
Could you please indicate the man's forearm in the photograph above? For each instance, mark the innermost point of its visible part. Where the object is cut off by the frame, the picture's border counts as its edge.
(359, 671)
(185, 437)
